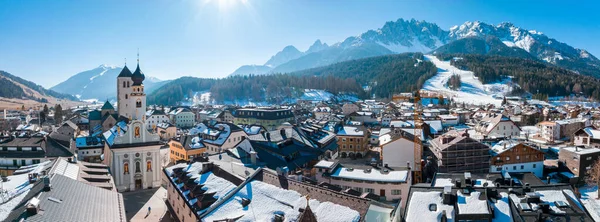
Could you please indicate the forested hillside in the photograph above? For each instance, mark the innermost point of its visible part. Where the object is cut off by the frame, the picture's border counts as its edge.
(15, 87)
(386, 74)
(533, 76)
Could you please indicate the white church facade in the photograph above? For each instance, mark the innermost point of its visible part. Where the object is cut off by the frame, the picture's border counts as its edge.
(131, 151)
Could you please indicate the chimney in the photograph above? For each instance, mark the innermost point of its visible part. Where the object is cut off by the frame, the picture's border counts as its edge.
(447, 197)
(253, 157)
(268, 135)
(47, 185)
(457, 183)
(33, 206)
(282, 132)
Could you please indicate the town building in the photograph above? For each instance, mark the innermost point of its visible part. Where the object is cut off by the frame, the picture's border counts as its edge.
(578, 160)
(588, 137)
(166, 131)
(493, 197)
(182, 117)
(89, 148)
(497, 126)
(186, 148)
(568, 127)
(155, 117)
(352, 139)
(217, 137)
(390, 185)
(549, 131)
(514, 157)
(221, 196)
(25, 149)
(457, 152)
(398, 149)
(349, 108)
(131, 151)
(268, 118)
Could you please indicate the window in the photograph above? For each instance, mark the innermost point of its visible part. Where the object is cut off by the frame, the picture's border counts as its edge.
(507, 158)
(127, 84)
(126, 168)
(514, 167)
(14, 162)
(396, 192)
(534, 165)
(138, 167)
(148, 166)
(522, 167)
(19, 149)
(518, 157)
(498, 158)
(124, 84)
(369, 190)
(588, 158)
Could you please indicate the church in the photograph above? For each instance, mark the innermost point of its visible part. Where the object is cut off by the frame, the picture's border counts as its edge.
(131, 151)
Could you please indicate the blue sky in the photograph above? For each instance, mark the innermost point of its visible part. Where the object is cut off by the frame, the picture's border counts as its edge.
(49, 41)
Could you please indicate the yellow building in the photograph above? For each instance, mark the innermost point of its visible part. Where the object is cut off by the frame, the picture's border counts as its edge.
(185, 148)
(268, 118)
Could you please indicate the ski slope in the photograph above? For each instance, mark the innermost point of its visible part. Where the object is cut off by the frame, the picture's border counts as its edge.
(471, 91)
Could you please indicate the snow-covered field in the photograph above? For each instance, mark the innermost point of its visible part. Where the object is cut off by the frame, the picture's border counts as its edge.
(471, 91)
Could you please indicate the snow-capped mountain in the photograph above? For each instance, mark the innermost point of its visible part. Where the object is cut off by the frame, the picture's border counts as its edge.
(99, 83)
(535, 43)
(421, 36)
(403, 36)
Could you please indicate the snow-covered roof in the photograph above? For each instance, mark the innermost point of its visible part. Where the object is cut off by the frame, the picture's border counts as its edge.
(324, 164)
(502, 146)
(371, 175)
(267, 200)
(17, 187)
(350, 131)
(471, 204)
(418, 209)
(581, 151)
(595, 134)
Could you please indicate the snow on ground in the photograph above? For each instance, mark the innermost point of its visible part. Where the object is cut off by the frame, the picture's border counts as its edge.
(588, 198)
(471, 91)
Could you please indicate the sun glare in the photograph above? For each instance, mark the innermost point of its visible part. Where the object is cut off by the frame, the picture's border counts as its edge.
(225, 5)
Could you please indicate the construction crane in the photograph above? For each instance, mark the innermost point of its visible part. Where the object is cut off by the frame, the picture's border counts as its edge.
(418, 146)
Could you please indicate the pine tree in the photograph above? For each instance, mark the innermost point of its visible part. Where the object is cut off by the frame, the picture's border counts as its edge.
(58, 113)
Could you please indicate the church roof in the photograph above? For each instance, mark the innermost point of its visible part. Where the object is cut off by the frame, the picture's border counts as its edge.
(95, 115)
(125, 72)
(138, 76)
(107, 105)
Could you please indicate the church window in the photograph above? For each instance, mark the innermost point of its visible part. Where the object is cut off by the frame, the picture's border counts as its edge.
(123, 84)
(125, 168)
(138, 167)
(127, 84)
(138, 103)
(148, 166)
(126, 96)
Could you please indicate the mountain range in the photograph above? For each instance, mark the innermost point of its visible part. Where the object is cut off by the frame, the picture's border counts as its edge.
(504, 39)
(99, 83)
